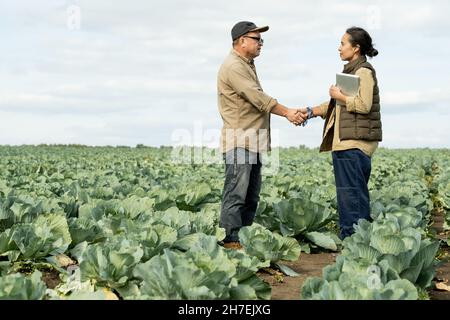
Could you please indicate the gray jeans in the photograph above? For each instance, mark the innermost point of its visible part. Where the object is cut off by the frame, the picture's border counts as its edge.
(240, 191)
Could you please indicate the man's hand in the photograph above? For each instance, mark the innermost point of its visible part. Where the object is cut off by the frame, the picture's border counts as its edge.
(295, 116)
(304, 112)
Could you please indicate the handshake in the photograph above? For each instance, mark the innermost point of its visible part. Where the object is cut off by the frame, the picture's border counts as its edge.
(299, 116)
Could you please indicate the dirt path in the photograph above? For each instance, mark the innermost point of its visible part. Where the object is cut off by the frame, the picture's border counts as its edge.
(307, 265)
(442, 275)
(443, 269)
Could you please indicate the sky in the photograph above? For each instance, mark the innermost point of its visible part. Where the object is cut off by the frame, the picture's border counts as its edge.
(144, 72)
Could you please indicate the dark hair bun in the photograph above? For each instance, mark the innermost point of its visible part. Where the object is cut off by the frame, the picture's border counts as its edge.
(372, 52)
(360, 37)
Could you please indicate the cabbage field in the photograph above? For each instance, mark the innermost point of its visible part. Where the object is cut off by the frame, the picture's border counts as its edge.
(128, 223)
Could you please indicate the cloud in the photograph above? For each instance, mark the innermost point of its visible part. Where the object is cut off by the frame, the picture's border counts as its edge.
(434, 102)
(137, 71)
(432, 96)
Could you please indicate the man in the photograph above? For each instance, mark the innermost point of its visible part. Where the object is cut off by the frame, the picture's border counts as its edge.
(245, 111)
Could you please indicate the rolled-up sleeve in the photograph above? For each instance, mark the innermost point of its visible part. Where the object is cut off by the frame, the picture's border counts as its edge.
(249, 89)
(362, 103)
(323, 107)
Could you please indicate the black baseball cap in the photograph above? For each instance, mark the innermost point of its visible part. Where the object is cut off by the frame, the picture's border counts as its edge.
(244, 27)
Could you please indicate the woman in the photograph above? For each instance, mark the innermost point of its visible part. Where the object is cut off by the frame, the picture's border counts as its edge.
(352, 130)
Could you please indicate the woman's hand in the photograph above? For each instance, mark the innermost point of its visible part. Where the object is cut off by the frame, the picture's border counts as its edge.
(336, 93)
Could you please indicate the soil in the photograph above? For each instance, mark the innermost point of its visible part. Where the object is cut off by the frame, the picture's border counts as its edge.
(442, 275)
(51, 278)
(443, 269)
(438, 225)
(308, 265)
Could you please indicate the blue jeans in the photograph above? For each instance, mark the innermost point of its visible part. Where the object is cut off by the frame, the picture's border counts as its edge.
(352, 172)
(240, 191)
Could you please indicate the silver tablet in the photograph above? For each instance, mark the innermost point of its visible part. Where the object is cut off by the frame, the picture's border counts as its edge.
(348, 83)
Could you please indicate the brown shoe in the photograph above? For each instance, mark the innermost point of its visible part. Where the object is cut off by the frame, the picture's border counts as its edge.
(232, 245)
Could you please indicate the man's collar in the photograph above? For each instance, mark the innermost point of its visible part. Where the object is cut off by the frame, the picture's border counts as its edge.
(249, 61)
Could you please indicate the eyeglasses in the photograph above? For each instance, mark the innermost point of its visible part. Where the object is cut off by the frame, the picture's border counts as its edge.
(260, 40)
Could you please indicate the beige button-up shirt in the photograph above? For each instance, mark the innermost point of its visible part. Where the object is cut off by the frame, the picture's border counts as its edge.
(362, 103)
(244, 107)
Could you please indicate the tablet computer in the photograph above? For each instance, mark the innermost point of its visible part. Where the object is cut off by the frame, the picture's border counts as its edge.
(348, 83)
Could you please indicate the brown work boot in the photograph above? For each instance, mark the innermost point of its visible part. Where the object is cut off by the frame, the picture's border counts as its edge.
(232, 245)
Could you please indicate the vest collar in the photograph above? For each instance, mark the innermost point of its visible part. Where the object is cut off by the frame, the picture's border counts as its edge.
(352, 66)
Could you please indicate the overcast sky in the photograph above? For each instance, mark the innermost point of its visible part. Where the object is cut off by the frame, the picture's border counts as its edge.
(103, 72)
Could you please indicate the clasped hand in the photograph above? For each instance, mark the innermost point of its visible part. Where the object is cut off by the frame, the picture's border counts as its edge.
(297, 116)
